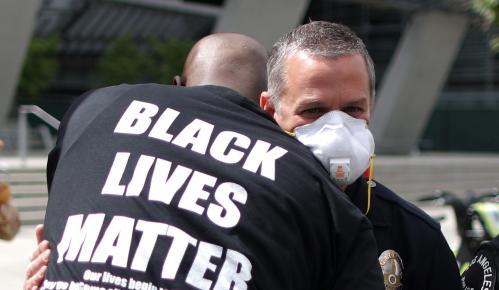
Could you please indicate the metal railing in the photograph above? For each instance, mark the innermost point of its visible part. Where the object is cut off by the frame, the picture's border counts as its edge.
(23, 128)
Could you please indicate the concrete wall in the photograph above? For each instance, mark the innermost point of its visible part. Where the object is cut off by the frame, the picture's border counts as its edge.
(16, 24)
(415, 78)
(263, 20)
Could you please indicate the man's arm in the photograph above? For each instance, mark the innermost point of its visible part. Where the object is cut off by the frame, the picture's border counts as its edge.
(39, 259)
(361, 269)
(483, 272)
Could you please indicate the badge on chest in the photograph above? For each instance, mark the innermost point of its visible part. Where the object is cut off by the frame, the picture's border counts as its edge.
(392, 268)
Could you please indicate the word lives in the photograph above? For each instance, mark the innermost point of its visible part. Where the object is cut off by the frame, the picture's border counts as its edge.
(167, 180)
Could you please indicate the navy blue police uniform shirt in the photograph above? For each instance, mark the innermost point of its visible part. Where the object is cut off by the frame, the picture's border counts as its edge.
(405, 233)
(161, 187)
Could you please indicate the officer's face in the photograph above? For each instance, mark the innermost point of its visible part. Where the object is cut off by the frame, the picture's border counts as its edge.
(317, 85)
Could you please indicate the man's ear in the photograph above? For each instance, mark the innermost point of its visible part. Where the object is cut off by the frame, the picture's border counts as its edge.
(265, 103)
(178, 81)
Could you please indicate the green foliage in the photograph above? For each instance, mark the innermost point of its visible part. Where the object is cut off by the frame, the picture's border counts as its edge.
(494, 43)
(168, 58)
(125, 62)
(122, 63)
(489, 11)
(486, 8)
(40, 67)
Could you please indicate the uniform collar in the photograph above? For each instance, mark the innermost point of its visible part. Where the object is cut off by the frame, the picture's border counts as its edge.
(380, 213)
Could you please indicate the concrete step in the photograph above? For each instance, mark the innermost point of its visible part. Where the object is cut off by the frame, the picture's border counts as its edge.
(29, 192)
(27, 177)
(28, 188)
(32, 217)
(418, 175)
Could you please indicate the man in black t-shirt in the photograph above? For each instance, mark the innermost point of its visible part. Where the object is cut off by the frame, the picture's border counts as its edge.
(156, 187)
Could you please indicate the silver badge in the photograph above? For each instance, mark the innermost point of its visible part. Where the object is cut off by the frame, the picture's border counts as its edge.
(392, 268)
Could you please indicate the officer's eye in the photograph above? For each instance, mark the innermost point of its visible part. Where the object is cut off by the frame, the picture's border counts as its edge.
(353, 111)
(313, 113)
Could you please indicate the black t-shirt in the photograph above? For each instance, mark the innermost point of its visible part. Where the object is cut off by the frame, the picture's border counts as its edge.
(402, 228)
(160, 187)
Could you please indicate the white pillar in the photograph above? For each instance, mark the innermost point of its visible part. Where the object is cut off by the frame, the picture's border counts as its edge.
(263, 20)
(414, 79)
(16, 24)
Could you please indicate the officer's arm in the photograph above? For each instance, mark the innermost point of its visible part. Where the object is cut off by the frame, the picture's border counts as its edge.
(444, 272)
(483, 270)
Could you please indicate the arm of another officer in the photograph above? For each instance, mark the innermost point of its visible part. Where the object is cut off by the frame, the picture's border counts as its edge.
(483, 272)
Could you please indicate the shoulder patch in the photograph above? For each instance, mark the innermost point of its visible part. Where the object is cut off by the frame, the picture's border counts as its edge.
(482, 272)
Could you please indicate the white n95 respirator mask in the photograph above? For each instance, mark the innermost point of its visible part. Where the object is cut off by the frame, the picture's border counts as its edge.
(342, 143)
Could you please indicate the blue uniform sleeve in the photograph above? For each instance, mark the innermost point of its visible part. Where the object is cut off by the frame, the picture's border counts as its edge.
(444, 272)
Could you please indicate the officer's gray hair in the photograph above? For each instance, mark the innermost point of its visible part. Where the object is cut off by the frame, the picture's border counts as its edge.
(317, 38)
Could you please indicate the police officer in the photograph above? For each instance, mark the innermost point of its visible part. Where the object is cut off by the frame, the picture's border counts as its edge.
(196, 188)
(321, 81)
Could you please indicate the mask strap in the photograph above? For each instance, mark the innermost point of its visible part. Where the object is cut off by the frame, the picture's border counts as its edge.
(369, 183)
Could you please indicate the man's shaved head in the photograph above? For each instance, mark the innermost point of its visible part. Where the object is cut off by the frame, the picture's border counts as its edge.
(231, 60)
